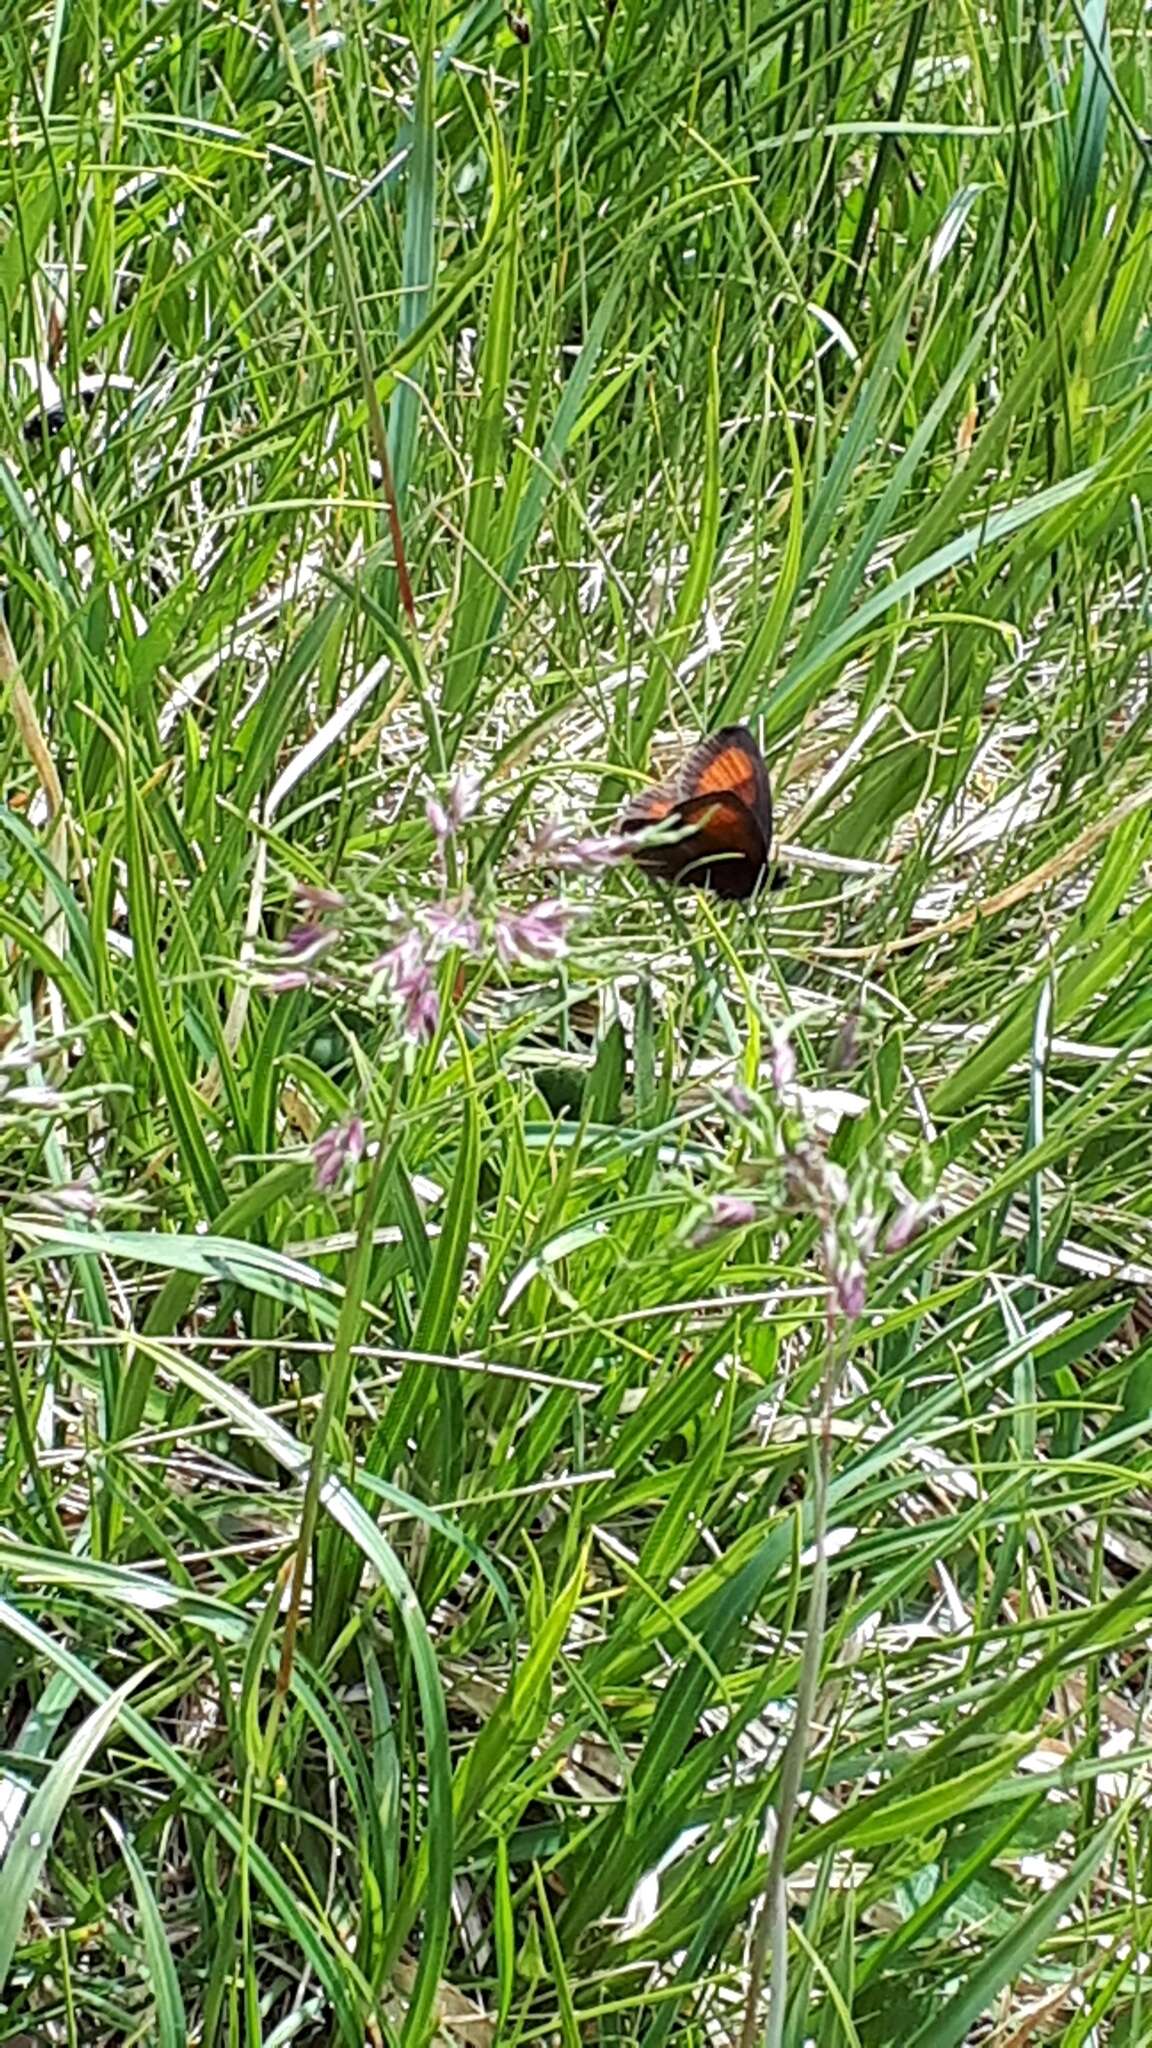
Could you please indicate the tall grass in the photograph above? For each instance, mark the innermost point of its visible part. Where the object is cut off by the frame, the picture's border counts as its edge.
(406, 1581)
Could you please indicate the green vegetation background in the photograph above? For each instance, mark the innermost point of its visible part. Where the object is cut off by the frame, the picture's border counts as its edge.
(713, 359)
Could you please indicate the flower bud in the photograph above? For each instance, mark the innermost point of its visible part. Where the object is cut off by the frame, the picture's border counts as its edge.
(725, 1212)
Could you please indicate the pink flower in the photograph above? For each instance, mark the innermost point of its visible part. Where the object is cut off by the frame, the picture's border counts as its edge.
(463, 796)
(547, 839)
(907, 1223)
(594, 853)
(807, 1183)
(285, 983)
(319, 899)
(556, 846)
(437, 817)
(452, 928)
(725, 1212)
(403, 964)
(421, 1012)
(782, 1066)
(849, 1290)
(306, 942)
(533, 937)
(406, 969)
(337, 1153)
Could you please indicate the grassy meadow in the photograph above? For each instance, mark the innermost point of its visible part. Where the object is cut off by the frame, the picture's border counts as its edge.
(576, 1457)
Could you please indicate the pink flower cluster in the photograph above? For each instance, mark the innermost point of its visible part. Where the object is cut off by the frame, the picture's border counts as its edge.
(460, 802)
(556, 846)
(406, 969)
(526, 938)
(532, 938)
(848, 1212)
(337, 1153)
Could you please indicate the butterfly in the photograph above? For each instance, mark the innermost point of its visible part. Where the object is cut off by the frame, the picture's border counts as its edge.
(720, 806)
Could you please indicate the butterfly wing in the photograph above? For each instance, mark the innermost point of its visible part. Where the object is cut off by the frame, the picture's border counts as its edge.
(721, 809)
(729, 763)
(651, 807)
(720, 845)
(725, 849)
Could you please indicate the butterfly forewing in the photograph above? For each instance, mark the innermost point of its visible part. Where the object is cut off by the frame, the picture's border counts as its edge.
(730, 763)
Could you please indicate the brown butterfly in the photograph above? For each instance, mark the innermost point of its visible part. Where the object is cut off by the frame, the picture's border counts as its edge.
(721, 809)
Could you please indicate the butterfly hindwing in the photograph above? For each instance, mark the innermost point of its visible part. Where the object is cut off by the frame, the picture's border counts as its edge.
(718, 846)
(725, 849)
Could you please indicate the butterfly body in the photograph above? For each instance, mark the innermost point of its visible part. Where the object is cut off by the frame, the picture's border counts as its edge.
(718, 816)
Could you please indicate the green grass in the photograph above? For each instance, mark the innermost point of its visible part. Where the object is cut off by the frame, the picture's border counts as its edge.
(405, 1586)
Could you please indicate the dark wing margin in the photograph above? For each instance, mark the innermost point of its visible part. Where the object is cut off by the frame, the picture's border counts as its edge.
(651, 807)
